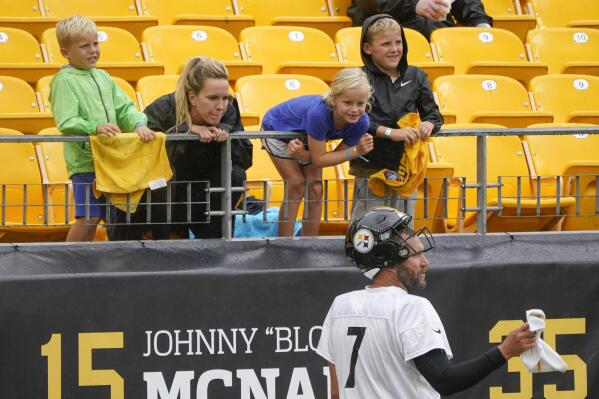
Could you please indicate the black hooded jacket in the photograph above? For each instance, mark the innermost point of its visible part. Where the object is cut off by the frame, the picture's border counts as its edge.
(411, 92)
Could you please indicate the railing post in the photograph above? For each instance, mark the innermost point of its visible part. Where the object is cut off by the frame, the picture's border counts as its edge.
(226, 167)
(481, 180)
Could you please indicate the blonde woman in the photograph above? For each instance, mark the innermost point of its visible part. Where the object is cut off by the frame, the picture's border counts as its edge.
(339, 114)
(202, 106)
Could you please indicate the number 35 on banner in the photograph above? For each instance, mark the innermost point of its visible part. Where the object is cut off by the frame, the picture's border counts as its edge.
(87, 376)
(553, 328)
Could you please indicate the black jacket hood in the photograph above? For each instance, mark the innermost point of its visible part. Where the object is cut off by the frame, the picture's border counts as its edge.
(367, 60)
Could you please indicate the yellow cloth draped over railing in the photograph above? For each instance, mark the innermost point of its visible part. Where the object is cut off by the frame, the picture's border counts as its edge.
(125, 165)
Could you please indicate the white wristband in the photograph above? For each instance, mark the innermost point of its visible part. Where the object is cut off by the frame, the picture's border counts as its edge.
(388, 132)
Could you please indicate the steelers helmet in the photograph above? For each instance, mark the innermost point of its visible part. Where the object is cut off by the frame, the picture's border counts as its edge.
(379, 239)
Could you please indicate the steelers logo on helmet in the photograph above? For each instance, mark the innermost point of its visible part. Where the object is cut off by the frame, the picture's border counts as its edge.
(363, 241)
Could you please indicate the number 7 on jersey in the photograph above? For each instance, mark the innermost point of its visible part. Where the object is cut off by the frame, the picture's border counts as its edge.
(359, 333)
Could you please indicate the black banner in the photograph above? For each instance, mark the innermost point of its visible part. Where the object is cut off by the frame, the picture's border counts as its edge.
(240, 319)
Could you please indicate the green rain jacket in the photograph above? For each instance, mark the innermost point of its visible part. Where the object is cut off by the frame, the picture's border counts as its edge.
(81, 100)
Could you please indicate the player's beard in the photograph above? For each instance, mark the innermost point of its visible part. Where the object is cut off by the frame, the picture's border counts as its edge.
(410, 279)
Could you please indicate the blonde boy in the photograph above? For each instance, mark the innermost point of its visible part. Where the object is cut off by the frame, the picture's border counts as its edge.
(399, 89)
(86, 101)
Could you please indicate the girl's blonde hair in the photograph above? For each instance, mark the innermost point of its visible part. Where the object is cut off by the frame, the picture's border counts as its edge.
(345, 80)
(385, 25)
(69, 28)
(192, 79)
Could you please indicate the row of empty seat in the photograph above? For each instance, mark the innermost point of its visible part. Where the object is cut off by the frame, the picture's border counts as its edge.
(502, 100)
(136, 15)
(520, 16)
(309, 51)
(461, 98)
(289, 50)
(493, 51)
(527, 167)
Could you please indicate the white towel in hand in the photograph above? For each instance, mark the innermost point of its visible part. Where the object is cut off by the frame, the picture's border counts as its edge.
(541, 357)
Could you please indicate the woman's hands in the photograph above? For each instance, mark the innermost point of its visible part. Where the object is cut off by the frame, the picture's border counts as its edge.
(207, 134)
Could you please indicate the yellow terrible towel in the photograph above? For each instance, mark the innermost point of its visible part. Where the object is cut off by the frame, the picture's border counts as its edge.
(125, 165)
(412, 167)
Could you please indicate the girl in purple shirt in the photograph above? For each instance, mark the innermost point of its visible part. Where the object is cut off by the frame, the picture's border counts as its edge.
(339, 114)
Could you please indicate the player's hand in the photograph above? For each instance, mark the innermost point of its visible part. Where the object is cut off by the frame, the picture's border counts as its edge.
(365, 145)
(425, 130)
(296, 150)
(144, 133)
(219, 134)
(517, 341)
(407, 134)
(432, 9)
(108, 129)
(204, 133)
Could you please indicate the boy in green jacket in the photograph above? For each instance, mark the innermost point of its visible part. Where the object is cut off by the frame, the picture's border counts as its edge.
(86, 101)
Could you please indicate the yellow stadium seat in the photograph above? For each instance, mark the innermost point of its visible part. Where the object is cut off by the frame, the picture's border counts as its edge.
(23, 216)
(128, 89)
(345, 182)
(152, 87)
(19, 107)
(486, 99)
(256, 94)
(53, 168)
(306, 13)
(507, 14)
(486, 52)
(348, 40)
(420, 54)
(566, 50)
(431, 198)
(505, 159)
(419, 51)
(560, 13)
(263, 178)
(572, 158)
(7, 131)
(118, 13)
(26, 15)
(43, 88)
(22, 57)
(292, 50)
(217, 13)
(193, 41)
(334, 221)
(120, 54)
(570, 98)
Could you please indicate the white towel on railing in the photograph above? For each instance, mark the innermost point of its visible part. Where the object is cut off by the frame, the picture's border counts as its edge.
(541, 358)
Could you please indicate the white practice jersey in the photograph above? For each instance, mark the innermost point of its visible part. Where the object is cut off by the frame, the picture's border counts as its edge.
(372, 335)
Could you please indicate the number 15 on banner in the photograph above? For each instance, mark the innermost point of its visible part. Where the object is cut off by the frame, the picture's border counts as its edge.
(87, 376)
